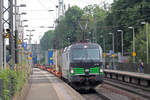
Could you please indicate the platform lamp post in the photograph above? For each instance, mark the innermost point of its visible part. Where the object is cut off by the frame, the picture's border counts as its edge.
(113, 42)
(104, 54)
(121, 39)
(103, 42)
(113, 48)
(133, 53)
(147, 51)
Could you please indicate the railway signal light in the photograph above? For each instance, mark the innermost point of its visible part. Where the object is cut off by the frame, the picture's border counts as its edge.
(113, 55)
(7, 34)
(104, 54)
(134, 54)
(19, 41)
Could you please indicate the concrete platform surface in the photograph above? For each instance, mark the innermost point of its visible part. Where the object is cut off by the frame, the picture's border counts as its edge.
(46, 86)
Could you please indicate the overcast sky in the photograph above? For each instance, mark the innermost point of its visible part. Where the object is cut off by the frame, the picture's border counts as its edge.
(38, 15)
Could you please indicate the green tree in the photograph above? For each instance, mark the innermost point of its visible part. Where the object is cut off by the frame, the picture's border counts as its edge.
(125, 13)
(121, 15)
(67, 28)
(96, 16)
(47, 40)
(141, 44)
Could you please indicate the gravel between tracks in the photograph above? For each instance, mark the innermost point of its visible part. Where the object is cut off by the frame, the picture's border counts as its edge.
(117, 94)
(108, 92)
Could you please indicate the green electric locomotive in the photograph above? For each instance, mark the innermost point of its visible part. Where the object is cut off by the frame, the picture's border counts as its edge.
(82, 65)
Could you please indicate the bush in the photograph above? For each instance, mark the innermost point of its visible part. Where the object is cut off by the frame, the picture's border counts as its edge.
(4, 75)
(13, 81)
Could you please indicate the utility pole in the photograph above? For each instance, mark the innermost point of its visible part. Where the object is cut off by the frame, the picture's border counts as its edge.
(16, 34)
(9, 22)
(1, 34)
(11, 37)
(61, 8)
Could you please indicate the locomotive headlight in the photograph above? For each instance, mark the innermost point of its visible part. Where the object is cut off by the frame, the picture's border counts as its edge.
(72, 71)
(101, 70)
(87, 70)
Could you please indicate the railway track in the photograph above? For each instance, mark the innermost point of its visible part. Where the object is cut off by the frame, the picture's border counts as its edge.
(116, 90)
(93, 95)
(131, 88)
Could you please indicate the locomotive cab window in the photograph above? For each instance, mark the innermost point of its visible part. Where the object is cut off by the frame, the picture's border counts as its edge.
(86, 54)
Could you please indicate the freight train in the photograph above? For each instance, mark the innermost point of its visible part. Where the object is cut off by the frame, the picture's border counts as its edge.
(80, 64)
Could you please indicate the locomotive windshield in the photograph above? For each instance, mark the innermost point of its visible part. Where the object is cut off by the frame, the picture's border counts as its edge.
(86, 54)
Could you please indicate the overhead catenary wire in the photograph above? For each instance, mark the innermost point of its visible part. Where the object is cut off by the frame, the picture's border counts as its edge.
(53, 2)
(32, 10)
(88, 2)
(44, 7)
(42, 4)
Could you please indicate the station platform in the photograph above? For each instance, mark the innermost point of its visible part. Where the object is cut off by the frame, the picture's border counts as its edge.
(131, 77)
(134, 74)
(46, 86)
